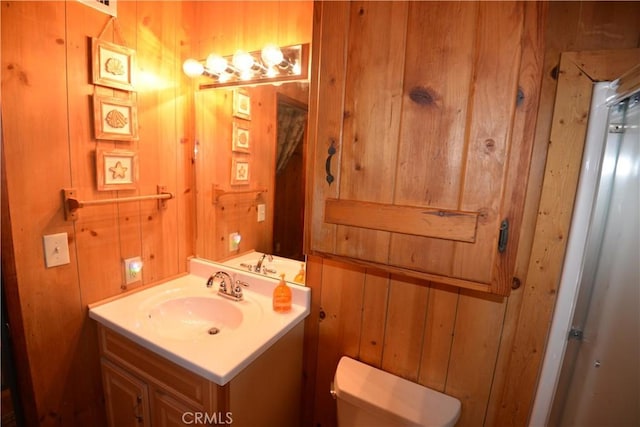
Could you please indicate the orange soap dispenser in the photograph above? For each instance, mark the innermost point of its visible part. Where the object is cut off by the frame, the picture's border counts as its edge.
(300, 276)
(282, 297)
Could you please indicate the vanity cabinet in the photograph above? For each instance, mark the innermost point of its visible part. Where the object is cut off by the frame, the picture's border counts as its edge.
(144, 389)
(421, 128)
(126, 397)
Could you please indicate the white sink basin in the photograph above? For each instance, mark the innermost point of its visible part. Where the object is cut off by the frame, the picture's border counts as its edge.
(189, 317)
(190, 324)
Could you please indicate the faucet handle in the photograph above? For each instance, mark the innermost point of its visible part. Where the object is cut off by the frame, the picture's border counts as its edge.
(210, 281)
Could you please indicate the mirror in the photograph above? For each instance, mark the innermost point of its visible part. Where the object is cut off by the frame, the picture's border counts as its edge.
(236, 131)
(250, 176)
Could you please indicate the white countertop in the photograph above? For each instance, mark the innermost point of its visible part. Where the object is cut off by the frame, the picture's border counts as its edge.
(220, 357)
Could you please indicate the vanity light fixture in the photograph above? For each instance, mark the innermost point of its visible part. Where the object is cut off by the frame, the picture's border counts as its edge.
(272, 64)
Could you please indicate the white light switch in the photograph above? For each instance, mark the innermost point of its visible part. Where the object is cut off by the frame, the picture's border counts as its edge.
(56, 249)
(262, 212)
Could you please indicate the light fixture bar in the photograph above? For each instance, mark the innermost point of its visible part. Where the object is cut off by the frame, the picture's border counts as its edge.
(272, 64)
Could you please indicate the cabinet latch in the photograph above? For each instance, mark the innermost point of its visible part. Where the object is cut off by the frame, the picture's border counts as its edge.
(504, 235)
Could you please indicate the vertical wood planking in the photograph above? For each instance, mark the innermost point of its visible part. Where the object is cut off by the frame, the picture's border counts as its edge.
(373, 100)
(339, 332)
(440, 98)
(492, 107)
(374, 317)
(522, 137)
(185, 131)
(155, 40)
(571, 26)
(37, 166)
(405, 321)
(565, 166)
(329, 53)
(61, 128)
(479, 321)
(562, 170)
(95, 225)
(524, 130)
(205, 112)
(438, 336)
(471, 338)
(100, 271)
(129, 215)
(314, 270)
(263, 140)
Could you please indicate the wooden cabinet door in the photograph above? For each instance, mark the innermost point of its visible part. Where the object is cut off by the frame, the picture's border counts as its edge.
(169, 411)
(413, 106)
(127, 397)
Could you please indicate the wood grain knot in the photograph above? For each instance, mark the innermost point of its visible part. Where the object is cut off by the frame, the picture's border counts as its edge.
(422, 96)
(519, 97)
(490, 145)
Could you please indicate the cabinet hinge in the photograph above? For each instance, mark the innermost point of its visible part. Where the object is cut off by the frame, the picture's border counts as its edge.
(504, 235)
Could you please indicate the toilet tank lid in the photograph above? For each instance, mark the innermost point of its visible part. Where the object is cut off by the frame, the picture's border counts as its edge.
(376, 390)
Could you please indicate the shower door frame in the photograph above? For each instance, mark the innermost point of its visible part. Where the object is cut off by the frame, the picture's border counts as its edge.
(578, 72)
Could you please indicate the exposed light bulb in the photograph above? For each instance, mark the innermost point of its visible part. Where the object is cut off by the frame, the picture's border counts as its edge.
(192, 68)
(217, 64)
(243, 61)
(296, 69)
(272, 55)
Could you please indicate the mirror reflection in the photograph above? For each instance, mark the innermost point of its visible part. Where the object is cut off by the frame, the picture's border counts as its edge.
(250, 177)
(242, 204)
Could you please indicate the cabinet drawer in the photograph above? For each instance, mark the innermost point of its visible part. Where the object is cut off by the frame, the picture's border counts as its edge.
(194, 389)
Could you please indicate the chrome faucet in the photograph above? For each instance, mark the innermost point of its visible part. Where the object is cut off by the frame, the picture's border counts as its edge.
(261, 260)
(228, 288)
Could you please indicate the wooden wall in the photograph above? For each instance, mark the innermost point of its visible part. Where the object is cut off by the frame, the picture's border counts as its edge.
(48, 145)
(484, 350)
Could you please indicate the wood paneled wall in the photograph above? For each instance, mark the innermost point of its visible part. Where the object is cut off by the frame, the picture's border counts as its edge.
(48, 145)
(484, 350)
(469, 345)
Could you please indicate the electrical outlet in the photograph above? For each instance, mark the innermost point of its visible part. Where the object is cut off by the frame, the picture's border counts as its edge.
(56, 249)
(132, 270)
(234, 241)
(262, 212)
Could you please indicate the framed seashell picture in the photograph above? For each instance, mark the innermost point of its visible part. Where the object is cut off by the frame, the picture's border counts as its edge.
(116, 169)
(115, 118)
(240, 141)
(113, 65)
(241, 104)
(239, 170)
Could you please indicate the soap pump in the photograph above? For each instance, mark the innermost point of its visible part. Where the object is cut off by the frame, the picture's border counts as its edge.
(300, 276)
(282, 297)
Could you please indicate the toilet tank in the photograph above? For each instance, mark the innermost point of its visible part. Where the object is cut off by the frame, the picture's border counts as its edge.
(369, 397)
